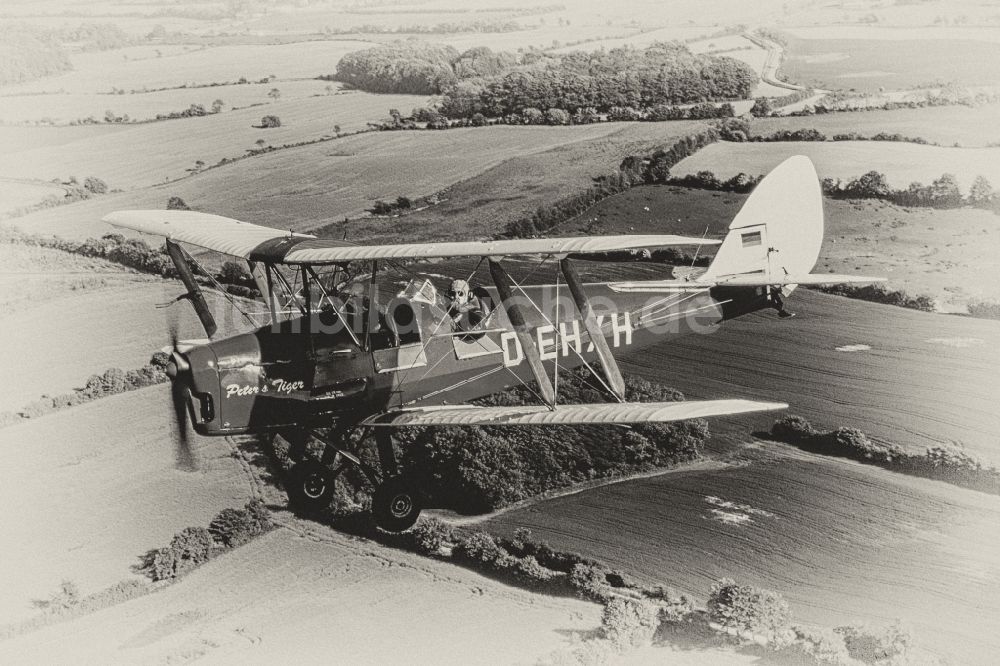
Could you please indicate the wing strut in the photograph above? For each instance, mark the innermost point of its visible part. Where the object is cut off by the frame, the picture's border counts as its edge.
(616, 383)
(512, 304)
(194, 290)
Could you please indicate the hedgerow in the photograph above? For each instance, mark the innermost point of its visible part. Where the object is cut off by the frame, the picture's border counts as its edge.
(636, 170)
(193, 546)
(112, 382)
(946, 463)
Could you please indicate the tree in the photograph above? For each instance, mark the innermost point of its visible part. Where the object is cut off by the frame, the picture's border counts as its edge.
(981, 194)
(274, 94)
(761, 107)
(945, 193)
(270, 121)
(217, 106)
(260, 143)
(336, 130)
(872, 185)
(557, 117)
(95, 185)
(176, 203)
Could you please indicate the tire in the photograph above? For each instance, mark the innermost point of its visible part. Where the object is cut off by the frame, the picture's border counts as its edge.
(396, 504)
(310, 486)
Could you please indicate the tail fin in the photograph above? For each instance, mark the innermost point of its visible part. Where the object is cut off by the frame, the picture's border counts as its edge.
(778, 231)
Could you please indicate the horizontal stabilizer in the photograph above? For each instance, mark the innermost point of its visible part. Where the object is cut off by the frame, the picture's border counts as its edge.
(601, 413)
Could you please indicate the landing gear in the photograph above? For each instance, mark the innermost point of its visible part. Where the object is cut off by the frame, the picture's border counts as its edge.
(310, 486)
(396, 504)
(397, 500)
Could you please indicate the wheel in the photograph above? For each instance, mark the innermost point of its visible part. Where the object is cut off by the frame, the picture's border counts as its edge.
(396, 504)
(310, 485)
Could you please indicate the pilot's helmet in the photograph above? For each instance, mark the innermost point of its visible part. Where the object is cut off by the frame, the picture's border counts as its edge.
(459, 291)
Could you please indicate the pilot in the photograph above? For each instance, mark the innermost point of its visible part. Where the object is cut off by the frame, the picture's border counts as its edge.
(465, 306)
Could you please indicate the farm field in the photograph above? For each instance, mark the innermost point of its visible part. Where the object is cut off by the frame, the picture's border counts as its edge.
(311, 186)
(104, 70)
(871, 64)
(948, 254)
(902, 163)
(946, 125)
(844, 543)
(484, 203)
(146, 154)
(62, 108)
(15, 193)
(101, 478)
(15, 139)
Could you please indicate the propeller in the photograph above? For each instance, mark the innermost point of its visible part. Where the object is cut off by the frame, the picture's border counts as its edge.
(179, 373)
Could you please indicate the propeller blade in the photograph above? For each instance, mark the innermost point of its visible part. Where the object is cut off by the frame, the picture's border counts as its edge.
(179, 396)
(179, 389)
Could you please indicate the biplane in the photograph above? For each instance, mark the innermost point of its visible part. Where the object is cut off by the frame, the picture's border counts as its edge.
(344, 350)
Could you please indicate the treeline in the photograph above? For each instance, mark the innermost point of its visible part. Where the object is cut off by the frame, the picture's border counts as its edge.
(499, 84)
(112, 382)
(949, 464)
(942, 193)
(27, 54)
(482, 468)
(428, 118)
(134, 253)
(635, 170)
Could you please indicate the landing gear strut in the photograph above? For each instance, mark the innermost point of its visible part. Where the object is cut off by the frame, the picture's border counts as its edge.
(396, 502)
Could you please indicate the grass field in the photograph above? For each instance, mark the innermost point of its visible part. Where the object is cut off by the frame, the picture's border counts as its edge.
(100, 71)
(484, 203)
(15, 193)
(946, 125)
(843, 543)
(63, 108)
(146, 154)
(945, 253)
(902, 163)
(871, 64)
(311, 186)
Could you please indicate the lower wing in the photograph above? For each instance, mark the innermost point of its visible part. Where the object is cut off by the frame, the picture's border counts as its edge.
(606, 413)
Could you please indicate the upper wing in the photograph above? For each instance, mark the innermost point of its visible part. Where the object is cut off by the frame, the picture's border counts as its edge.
(212, 232)
(608, 413)
(255, 242)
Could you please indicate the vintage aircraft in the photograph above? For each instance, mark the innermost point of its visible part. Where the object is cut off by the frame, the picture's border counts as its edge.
(337, 356)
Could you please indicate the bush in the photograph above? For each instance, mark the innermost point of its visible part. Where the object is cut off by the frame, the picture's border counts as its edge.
(984, 309)
(191, 546)
(629, 622)
(590, 581)
(673, 608)
(429, 535)
(478, 547)
(176, 203)
(95, 185)
(825, 646)
(871, 646)
(748, 609)
(792, 429)
(235, 527)
(270, 121)
(530, 571)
